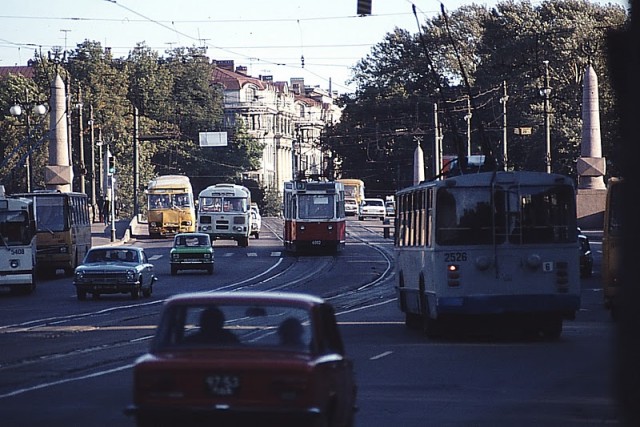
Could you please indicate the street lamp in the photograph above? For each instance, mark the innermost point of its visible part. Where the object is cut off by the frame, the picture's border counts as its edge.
(545, 92)
(38, 110)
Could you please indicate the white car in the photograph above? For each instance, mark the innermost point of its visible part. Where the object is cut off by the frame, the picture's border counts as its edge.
(256, 222)
(372, 208)
(350, 207)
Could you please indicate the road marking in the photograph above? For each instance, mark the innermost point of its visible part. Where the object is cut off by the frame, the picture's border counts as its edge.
(252, 254)
(154, 257)
(276, 253)
(381, 355)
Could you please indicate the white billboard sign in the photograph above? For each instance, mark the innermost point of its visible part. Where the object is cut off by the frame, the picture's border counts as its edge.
(213, 139)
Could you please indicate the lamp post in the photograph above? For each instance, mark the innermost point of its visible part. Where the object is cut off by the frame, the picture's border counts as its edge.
(545, 92)
(38, 110)
(467, 117)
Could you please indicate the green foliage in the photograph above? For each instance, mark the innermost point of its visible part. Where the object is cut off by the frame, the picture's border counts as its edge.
(271, 203)
(405, 76)
(172, 98)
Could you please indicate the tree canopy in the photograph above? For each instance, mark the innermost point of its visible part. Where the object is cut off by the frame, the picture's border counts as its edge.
(467, 63)
(170, 100)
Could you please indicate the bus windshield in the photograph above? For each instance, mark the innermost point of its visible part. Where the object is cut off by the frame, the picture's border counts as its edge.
(223, 204)
(519, 215)
(14, 228)
(50, 215)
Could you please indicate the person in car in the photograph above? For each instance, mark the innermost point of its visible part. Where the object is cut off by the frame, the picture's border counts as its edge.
(212, 328)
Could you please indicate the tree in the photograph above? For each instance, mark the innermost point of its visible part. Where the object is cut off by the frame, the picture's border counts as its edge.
(468, 54)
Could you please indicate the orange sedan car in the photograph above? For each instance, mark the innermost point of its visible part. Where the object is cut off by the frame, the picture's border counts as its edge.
(245, 358)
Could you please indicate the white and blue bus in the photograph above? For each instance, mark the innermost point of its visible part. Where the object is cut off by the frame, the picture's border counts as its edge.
(224, 212)
(17, 244)
(489, 244)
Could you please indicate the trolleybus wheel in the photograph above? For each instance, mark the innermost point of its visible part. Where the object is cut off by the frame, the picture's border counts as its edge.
(551, 327)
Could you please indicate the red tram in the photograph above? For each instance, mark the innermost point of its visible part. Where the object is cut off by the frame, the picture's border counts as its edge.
(314, 217)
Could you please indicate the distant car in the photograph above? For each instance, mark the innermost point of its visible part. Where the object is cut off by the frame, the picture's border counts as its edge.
(350, 207)
(390, 207)
(256, 223)
(586, 257)
(191, 251)
(372, 208)
(245, 358)
(114, 269)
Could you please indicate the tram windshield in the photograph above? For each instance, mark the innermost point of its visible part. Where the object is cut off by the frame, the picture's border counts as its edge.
(315, 206)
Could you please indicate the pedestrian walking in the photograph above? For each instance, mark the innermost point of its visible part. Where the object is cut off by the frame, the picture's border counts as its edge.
(105, 211)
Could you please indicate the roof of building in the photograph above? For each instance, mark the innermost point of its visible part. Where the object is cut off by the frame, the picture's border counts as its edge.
(232, 80)
(23, 70)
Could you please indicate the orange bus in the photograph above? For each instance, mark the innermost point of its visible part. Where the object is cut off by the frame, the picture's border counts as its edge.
(612, 240)
(171, 208)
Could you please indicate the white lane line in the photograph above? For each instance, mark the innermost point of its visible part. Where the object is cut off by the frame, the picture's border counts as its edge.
(381, 355)
(67, 380)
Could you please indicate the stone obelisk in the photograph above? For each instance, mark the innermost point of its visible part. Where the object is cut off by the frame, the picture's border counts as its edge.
(591, 166)
(58, 174)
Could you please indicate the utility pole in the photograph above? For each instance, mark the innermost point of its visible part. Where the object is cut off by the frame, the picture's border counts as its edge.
(93, 162)
(503, 101)
(546, 91)
(136, 173)
(437, 150)
(467, 117)
(81, 142)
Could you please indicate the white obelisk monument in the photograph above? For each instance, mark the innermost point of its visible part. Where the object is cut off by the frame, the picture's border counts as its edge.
(58, 174)
(591, 166)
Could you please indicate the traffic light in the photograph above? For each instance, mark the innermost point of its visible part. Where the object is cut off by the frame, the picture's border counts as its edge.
(364, 7)
(109, 163)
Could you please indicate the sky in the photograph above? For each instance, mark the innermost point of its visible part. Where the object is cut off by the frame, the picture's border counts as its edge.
(269, 37)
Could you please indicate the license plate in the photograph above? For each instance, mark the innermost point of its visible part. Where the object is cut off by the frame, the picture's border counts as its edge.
(316, 242)
(222, 385)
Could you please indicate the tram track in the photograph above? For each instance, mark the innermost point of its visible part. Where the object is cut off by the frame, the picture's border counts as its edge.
(77, 345)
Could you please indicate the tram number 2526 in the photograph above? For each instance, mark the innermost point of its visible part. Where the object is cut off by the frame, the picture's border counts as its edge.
(455, 256)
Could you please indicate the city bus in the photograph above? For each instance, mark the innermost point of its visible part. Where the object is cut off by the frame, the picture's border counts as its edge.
(499, 246)
(314, 216)
(612, 241)
(17, 244)
(170, 206)
(353, 193)
(63, 229)
(224, 212)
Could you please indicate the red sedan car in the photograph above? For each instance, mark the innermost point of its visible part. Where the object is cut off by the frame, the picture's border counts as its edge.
(245, 358)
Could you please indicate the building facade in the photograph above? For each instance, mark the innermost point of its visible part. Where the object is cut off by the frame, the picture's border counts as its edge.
(286, 117)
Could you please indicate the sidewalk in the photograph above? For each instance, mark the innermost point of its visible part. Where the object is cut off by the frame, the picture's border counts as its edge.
(125, 231)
